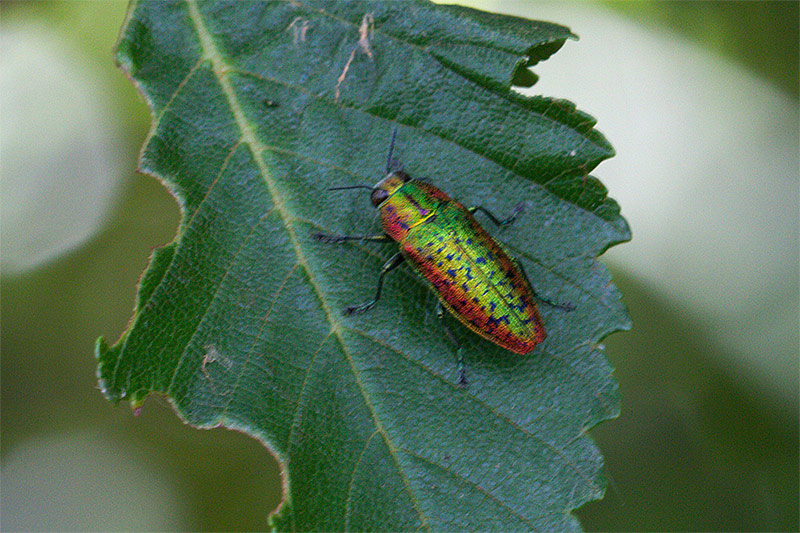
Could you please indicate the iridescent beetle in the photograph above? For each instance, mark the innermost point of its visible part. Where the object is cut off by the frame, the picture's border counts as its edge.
(473, 276)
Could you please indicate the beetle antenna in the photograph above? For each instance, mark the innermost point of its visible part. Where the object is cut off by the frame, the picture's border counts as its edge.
(389, 164)
(351, 187)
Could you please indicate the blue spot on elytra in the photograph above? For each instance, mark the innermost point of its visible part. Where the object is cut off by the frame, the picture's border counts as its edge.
(492, 305)
(449, 257)
(469, 241)
(496, 321)
(452, 272)
(440, 250)
(465, 287)
(480, 261)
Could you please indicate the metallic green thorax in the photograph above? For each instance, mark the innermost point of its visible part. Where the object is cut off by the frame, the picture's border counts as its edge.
(473, 276)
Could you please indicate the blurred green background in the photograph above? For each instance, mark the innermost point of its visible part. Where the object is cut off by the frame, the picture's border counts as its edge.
(707, 438)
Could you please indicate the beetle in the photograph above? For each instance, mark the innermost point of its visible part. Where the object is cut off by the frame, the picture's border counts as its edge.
(474, 277)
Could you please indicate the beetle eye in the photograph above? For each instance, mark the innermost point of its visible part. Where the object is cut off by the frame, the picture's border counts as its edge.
(378, 196)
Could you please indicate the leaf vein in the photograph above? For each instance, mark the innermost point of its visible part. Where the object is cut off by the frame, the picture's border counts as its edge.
(491, 410)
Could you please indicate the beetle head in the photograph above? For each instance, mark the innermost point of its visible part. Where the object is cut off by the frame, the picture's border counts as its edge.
(387, 186)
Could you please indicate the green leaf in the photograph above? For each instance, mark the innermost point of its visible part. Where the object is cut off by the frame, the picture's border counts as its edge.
(259, 108)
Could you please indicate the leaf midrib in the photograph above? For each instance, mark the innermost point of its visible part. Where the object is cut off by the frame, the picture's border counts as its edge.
(220, 69)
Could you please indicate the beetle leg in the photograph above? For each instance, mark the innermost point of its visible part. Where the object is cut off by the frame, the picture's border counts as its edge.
(338, 239)
(390, 265)
(462, 373)
(564, 306)
(497, 221)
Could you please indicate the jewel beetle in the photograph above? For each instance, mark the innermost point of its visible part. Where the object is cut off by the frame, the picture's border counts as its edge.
(474, 277)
